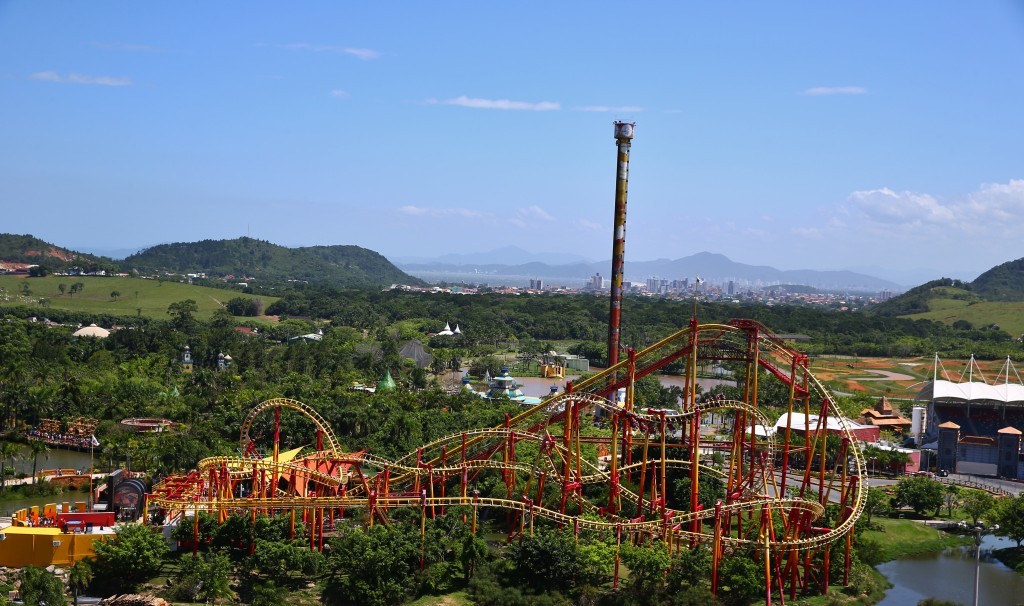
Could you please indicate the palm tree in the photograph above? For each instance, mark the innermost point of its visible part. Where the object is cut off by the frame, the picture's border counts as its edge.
(8, 450)
(79, 577)
(38, 447)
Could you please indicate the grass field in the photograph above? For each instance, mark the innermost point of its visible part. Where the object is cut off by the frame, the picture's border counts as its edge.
(1008, 315)
(901, 538)
(139, 296)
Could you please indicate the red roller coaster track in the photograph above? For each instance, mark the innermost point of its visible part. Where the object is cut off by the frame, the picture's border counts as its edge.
(768, 507)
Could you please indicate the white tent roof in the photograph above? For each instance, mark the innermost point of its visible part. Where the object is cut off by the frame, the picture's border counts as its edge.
(800, 423)
(972, 391)
(92, 331)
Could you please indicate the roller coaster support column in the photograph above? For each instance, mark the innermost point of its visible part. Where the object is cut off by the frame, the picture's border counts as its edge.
(568, 427)
(716, 548)
(618, 545)
(423, 529)
(613, 463)
(195, 532)
(372, 507)
(664, 464)
(643, 470)
(476, 506)
(627, 426)
(691, 399)
(277, 443)
(444, 453)
(623, 138)
(767, 555)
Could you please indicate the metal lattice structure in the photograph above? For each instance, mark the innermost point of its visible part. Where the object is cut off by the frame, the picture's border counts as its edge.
(776, 486)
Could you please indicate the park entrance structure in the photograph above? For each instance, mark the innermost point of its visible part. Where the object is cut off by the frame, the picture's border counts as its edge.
(777, 484)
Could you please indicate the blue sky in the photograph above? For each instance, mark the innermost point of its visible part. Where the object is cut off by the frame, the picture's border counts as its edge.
(882, 136)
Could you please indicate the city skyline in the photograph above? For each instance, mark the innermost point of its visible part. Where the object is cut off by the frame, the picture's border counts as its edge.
(882, 139)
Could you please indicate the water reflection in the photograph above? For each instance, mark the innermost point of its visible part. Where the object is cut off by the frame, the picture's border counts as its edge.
(56, 457)
(949, 575)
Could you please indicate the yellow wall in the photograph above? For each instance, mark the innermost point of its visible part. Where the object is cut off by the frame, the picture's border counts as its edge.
(25, 546)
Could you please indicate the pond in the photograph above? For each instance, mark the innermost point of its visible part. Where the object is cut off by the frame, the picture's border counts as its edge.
(949, 575)
(55, 458)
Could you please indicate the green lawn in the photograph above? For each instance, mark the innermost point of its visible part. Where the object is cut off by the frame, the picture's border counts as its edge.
(1008, 315)
(900, 538)
(139, 296)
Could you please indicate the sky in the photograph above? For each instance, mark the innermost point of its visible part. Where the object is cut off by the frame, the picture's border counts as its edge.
(885, 137)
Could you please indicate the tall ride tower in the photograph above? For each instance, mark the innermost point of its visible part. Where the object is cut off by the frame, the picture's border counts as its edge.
(623, 140)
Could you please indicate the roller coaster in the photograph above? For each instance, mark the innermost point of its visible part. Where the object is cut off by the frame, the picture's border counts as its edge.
(777, 487)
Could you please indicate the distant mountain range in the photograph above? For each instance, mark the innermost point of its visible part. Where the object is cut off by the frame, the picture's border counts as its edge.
(709, 266)
(506, 255)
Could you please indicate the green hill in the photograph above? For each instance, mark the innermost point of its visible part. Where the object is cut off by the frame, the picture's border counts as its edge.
(27, 249)
(993, 299)
(1001, 283)
(343, 266)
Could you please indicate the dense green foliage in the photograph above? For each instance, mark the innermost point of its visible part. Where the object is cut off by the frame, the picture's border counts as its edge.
(499, 319)
(131, 557)
(1001, 283)
(342, 266)
(919, 493)
(40, 588)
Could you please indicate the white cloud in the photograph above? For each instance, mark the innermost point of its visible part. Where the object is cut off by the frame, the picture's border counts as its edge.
(476, 103)
(836, 90)
(420, 211)
(995, 210)
(339, 94)
(361, 53)
(74, 78)
(607, 108)
(530, 216)
(588, 224)
(905, 208)
(534, 212)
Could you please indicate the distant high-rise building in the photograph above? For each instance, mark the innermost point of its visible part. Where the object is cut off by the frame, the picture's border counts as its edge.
(596, 282)
(885, 295)
(732, 287)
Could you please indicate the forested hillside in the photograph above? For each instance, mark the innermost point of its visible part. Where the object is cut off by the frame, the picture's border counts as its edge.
(918, 299)
(28, 249)
(343, 266)
(1001, 283)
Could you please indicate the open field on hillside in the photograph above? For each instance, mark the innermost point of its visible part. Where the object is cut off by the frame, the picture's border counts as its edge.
(1008, 315)
(138, 296)
(895, 377)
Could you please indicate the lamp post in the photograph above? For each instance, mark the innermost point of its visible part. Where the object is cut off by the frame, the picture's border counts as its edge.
(979, 530)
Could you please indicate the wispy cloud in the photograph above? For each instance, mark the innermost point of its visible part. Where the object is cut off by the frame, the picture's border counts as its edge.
(132, 48)
(360, 53)
(74, 78)
(588, 224)
(340, 94)
(609, 108)
(505, 104)
(421, 211)
(835, 90)
(530, 216)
